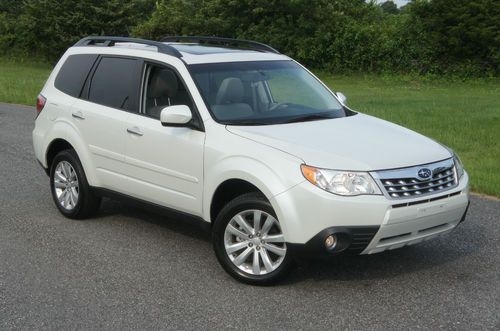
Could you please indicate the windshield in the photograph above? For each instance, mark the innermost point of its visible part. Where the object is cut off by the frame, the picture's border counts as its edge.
(264, 92)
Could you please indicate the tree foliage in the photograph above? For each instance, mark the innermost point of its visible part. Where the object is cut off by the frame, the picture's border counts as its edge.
(460, 33)
(48, 27)
(389, 7)
(427, 36)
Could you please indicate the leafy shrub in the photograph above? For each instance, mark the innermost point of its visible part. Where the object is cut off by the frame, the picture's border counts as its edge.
(48, 27)
(427, 37)
(431, 37)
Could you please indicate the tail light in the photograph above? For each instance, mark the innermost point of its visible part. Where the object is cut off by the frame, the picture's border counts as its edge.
(40, 103)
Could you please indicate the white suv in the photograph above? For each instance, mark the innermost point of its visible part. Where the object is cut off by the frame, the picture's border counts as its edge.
(246, 140)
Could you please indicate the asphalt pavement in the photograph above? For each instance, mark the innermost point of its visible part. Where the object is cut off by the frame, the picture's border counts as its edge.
(130, 269)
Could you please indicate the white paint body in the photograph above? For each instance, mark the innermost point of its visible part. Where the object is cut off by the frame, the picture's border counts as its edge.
(181, 168)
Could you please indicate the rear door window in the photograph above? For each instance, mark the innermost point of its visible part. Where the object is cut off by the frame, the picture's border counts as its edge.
(73, 73)
(116, 83)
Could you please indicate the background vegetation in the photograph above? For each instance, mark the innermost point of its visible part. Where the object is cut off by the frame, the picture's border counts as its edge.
(456, 37)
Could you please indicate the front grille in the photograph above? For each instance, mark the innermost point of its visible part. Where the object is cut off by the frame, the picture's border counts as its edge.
(405, 187)
(406, 182)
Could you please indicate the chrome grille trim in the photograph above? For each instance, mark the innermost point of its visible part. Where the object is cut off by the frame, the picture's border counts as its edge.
(405, 183)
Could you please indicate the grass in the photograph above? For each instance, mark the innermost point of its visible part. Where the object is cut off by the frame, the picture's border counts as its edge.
(463, 115)
(22, 80)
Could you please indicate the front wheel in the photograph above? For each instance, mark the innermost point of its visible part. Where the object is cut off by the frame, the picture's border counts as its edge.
(249, 242)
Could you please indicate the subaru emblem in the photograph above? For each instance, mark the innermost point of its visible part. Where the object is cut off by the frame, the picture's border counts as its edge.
(424, 173)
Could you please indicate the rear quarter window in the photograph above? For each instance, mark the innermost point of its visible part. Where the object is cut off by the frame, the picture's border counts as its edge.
(73, 73)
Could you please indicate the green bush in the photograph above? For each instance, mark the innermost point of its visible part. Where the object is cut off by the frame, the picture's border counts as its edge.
(462, 34)
(48, 27)
(431, 37)
(427, 37)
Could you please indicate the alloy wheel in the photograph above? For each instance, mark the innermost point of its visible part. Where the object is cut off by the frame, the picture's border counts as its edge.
(66, 185)
(254, 242)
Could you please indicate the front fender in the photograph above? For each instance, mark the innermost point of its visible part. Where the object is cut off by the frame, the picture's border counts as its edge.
(270, 180)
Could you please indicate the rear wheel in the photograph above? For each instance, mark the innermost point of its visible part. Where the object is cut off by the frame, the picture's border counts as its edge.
(69, 187)
(249, 242)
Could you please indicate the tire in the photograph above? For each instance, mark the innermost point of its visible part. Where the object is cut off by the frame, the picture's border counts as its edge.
(238, 217)
(83, 204)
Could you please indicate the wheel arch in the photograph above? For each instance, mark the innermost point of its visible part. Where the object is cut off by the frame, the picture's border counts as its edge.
(65, 136)
(242, 174)
(57, 145)
(229, 190)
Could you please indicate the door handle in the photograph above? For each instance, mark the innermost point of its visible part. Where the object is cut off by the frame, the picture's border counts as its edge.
(78, 115)
(135, 130)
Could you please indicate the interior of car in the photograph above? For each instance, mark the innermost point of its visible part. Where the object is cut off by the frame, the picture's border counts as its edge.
(163, 88)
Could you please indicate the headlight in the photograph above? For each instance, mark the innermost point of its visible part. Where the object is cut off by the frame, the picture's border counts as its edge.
(341, 182)
(458, 166)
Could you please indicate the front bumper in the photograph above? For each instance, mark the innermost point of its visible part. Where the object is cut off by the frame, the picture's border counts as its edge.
(352, 240)
(429, 223)
(307, 213)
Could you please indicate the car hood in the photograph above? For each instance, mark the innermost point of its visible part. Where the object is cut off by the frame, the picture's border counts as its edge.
(358, 142)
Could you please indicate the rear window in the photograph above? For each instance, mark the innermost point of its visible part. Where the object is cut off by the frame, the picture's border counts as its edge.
(73, 73)
(115, 83)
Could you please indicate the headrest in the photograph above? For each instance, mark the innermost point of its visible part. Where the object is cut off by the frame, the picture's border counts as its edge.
(163, 84)
(230, 91)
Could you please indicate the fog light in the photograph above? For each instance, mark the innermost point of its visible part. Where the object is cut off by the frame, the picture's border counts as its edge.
(331, 241)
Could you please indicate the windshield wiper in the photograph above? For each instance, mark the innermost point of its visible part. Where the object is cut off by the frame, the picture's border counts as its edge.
(246, 122)
(272, 121)
(311, 117)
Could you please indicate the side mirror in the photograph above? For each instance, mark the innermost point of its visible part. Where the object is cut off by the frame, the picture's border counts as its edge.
(342, 97)
(178, 115)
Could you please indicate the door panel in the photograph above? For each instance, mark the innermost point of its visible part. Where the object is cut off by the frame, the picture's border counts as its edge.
(103, 130)
(165, 164)
(108, 96)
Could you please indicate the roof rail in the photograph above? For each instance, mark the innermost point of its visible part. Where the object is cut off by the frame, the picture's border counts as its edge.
(246, 44)
(107, 41)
